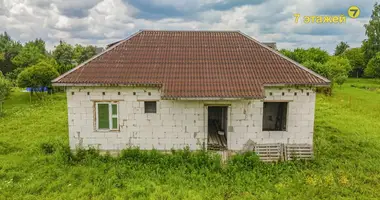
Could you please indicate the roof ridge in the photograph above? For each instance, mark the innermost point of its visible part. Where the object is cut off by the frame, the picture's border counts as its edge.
(94, 57)
(286, 58)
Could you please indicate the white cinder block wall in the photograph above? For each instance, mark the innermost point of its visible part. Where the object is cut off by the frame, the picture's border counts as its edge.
(180, 123)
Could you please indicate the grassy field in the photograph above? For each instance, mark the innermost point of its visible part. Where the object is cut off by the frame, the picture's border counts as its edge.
(35, 162)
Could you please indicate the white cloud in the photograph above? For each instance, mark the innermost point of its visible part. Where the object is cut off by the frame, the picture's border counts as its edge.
(100, 22)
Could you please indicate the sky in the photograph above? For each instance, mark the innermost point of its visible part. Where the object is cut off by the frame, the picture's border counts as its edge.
(101, 22)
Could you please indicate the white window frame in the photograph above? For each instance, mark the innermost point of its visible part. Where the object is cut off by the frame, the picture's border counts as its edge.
(110, 115)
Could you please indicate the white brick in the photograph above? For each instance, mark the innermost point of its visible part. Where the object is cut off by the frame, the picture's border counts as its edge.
(179, 116)
(246, 123)
(307, 117)
(191, 117)
(167, 104)
(240, 129)
(238, 116)
(141, 117)
(165, 110)
(131, 116)
(176, 110)
(178, 123)
(166, 117)
(153, 116)
(189, 110)
(275, 135)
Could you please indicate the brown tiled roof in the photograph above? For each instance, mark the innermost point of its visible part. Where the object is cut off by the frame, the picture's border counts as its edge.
(192, 64)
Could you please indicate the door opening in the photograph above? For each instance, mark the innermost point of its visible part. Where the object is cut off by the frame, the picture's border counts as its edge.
(217, 128)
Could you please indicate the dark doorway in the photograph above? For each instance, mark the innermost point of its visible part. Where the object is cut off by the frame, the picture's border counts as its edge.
(217, 128)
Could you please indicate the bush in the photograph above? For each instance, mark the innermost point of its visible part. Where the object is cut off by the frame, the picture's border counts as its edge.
(340, 79)
(245, 161)
(5, 90)
(37, 76)
(317, 67)
(12, 76)
(336, 69)
(339, 68)
(373, 67)
(302, 55)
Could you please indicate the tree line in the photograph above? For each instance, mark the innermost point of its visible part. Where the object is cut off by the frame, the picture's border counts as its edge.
(346, 62)
(16, 58)
(31, 65)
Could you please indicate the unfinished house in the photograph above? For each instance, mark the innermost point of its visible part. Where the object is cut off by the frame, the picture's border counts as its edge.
(218, 90)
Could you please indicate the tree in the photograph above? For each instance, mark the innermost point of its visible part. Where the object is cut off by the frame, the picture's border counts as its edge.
(340, 48)
(5, 89)
(39, 43)
(63, 54)
(319, 68)
(356, 58)
(373, 67)
(339, 68)
(289, 54)
(37, 76)
(32, 53)
(372, 45)
(302, 55)
(8, 50)
(47, 59)
(82, 53)
(316, 55)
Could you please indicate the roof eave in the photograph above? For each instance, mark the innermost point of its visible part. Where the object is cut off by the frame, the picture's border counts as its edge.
(107, 84)
(327, 84)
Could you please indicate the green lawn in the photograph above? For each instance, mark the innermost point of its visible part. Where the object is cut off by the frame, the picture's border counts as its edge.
(35, 163)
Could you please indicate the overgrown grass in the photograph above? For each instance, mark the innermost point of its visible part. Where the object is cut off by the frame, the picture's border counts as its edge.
(35, 162)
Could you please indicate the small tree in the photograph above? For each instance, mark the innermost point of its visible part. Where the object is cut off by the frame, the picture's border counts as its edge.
(5, 90)
(63, 54)
(302, 55)
(83, 53)
(319, 68)
(30, 54)
(356, 58)
(339, 68)
(37, 76)
(373, 67)
(9, 49)
(340, 79)
(372, 30)
(341, 48)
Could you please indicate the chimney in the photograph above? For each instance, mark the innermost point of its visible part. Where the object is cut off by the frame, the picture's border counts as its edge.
(270, 44)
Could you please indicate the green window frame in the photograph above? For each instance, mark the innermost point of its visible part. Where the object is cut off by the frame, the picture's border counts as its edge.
(107, 116)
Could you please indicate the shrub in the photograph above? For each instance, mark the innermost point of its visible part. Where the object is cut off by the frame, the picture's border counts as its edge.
(373, 67)
(302, 55)
(5, 90)
(339, 69)
(340, 79)
(317, 67)
(37, 76)
(245, 161)
(47, 148)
